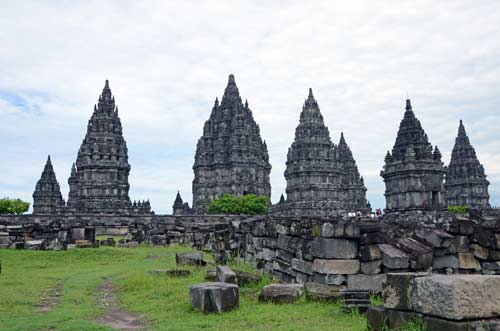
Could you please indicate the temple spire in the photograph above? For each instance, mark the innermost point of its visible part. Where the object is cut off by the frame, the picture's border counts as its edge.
(408, 104)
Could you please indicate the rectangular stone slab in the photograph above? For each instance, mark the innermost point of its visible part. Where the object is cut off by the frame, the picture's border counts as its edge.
(336, 267)
(456, 297)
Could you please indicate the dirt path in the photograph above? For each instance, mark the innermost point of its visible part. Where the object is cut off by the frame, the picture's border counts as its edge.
(115, 317)
(50, 298)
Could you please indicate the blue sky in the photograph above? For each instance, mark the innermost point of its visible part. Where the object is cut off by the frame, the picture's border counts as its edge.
(168, 60)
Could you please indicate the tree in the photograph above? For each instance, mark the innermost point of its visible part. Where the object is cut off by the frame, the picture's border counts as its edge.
(247, 205)
(13, 206)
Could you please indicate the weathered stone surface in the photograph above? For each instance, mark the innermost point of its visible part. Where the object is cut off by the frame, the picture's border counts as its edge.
(189, 259)
(214, 297)
(377, 318)
(246, 278)
(371, 267)
(447, 261)
(479, 251)
(281, 293)
(370, 253)
(421, 255)
(468, 261)
(393, 258)
(318, 291)
(396, 290)
(336, 267)
(334, 248)
(305, 267)
(373, 283)
(435, 237)
(457, 297)
(226, 275)
(329, 279)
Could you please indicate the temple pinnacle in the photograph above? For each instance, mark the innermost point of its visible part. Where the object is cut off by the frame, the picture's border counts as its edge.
(408, 104)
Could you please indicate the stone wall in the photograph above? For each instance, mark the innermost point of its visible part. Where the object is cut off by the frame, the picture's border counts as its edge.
(57, 231)
(358, 253)
(351, 252)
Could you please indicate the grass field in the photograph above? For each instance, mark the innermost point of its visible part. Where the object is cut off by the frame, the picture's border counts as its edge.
(28, 277)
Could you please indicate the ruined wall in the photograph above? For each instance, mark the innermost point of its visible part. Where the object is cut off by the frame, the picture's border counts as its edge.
(357, 253)
(352, 252)
(57, 231)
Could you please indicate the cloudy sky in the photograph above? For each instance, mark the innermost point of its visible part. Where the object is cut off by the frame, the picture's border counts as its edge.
(168, 60)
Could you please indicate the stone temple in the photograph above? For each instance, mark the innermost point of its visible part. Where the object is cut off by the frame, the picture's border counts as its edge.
(413, 173)
(322, 178)
(466, 183)
(99, 178)
(231, 157)
(47, 198)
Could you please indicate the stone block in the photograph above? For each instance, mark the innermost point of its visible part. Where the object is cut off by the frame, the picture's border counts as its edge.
(189, 259)
(479, 251)
(214, 297)
(377, 318)
(322, 292)
(327, 230)
(226, 275)
(211, 275)
(281, 293)
(393, 258)
(397, 288)
(336, 267)
(468, 261)
(246, 278)
(370, 253)
(457, 297)
(371, 267)
(305, 267)
(336, 280)
(372, 283)
(447, 261)
(334, 248)
(435, 237)
(420, 254)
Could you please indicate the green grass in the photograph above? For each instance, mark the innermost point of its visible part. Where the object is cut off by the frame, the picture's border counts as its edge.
(164, 301)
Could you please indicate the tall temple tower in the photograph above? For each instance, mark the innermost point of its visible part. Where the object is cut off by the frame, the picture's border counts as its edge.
(322, 179)
(413, 173)
(353, 184)
(47, 198)
(99, 179)
(231, 157)
(466, 183)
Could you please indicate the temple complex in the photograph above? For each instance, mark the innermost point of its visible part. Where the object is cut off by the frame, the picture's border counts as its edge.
(47, 198)
(322, 178)
(413, 173)
(231, 157)
(466, 183)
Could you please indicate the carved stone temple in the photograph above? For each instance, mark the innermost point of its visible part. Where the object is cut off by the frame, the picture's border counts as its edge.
(99, 178)
(413, 173)
(466, 183)
(231, 157)
(322, 178)
(47, 198)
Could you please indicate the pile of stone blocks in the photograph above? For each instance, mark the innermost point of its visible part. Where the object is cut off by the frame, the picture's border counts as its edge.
(440, 302)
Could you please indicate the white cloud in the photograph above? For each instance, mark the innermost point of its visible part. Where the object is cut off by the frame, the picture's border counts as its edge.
(167, 61)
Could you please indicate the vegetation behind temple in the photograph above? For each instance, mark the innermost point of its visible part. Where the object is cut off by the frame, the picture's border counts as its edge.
(13, 206)
(242, 205)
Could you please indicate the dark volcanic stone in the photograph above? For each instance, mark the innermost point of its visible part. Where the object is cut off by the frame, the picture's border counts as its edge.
(214, 297)
(190, 259)
(281, 293)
